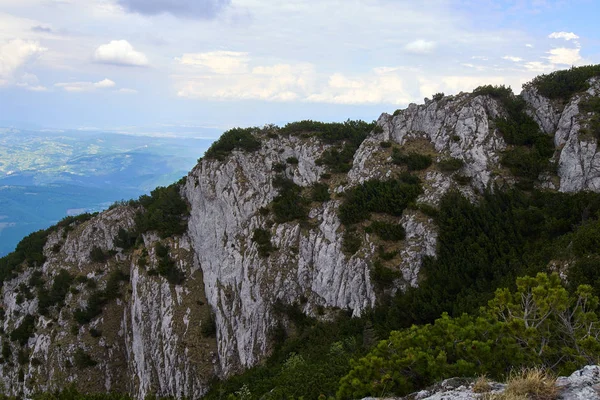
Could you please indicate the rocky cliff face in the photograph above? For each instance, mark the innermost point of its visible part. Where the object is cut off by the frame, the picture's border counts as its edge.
(155, 336)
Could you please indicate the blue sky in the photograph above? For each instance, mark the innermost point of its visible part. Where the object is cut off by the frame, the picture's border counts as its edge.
(160, 65)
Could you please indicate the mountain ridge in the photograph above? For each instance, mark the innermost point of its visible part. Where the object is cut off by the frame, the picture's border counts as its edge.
(210, 288)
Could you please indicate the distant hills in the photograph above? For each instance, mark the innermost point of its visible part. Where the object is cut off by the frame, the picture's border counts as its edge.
(47, 175)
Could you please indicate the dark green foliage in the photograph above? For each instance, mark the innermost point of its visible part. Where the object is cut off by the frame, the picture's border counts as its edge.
(305, 365)
(292, 160)
(319, 192)
(525, 163)
(438, 96)
(382, 276)
(428, 210)
(289, 205)
(486, 245)
(233, 139)
(563, 84)
(498, 92)
(262, 238)
(95, 333)
(386, 230)
(83, 360)
(385, 144)
(125, 239)
(353, 131)
(99, 298)
(23, 356)
(165, 211)
(414, 161)
(166, 266)
(209, 326)
(57, 293)
(389, 197)
(510, 333)
(279, 167)
(24, 331)
(348, 136)
(339, 160)
(592, 105)
(71, 393)
(450, 164)
(98, 255)
(6, 351)
(351, 242)
(30, 250)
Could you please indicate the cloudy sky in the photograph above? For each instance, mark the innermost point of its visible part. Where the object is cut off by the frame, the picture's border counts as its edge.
(126, 64)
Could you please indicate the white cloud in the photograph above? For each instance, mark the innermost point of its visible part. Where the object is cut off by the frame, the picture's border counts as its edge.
(30, 82)
(381, 86)
(105, 83)
(280, 82)
(563, 35)
(420, 47)
(512, 58)
(15, 54)
(78, 87)
(564, 56)
(529, 45)
(220, 62)
(120, 52)
(127, 91)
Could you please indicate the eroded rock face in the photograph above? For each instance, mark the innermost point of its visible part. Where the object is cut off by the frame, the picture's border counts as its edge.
(148, 340)
(578, 159)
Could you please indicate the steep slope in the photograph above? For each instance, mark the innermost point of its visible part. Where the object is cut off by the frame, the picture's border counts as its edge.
(279, 219)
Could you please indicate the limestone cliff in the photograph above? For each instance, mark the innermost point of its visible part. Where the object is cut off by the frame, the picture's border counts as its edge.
(155, 335)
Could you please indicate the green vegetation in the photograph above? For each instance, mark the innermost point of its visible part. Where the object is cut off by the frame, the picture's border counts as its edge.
(98, 255)
(450, 164)
(125, 239)
(166, 266)
(387, 231)
(592, 105)
(351, 242)
(551, 328)
(262, 238)
(29, 250)
(564, 84)
(57, 293)
(24, 331)
(234, 139)
(83, 360)
(413, 161)
(532, 149)
(320, 192)
(292, 160)
(388, 197)
(289, 205)
(99, 298)
(164, 211)
(306, 365)
(346, 136)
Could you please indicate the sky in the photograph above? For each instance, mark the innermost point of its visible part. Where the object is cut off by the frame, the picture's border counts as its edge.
(209, 65)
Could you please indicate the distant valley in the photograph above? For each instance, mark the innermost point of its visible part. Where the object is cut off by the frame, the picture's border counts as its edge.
(47, 175)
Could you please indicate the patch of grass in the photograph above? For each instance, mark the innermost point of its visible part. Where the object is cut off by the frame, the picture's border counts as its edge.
(482, 385)
(532, 383)
(83, 360)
